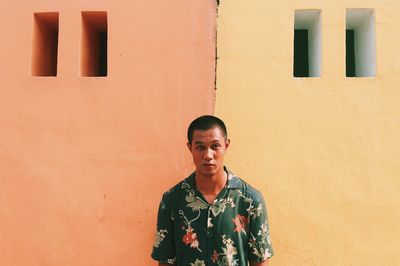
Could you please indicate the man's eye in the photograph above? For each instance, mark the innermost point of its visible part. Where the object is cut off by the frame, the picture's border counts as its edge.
(199, 148)
(215, 146)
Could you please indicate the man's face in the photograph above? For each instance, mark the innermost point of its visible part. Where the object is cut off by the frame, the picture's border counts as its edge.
(208, 148)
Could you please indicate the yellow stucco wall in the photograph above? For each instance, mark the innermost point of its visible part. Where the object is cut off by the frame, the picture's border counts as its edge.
(324, 151)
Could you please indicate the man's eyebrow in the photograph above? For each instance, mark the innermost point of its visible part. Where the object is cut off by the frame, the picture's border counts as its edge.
(198, 142)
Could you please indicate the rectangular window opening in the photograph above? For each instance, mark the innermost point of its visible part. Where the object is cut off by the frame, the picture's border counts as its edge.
(360, 43)
(350, 59)
(94, 44)
(44, 44)
(300, 68)
(307, 43)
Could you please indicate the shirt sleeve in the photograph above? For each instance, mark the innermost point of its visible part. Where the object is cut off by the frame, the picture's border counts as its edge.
(164, 244)
(260, 247)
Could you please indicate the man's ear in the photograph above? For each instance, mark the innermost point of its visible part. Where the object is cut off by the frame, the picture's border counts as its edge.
(227, 143)
(189, 146)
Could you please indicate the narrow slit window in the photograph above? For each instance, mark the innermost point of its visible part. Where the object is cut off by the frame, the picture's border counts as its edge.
(301, 68)
(350, 59)
(94, 44)
(307, 43)
(44, 44)
(360, 43)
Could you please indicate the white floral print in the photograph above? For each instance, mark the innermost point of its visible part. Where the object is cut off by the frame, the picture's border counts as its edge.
(159, 237)
(198, 263)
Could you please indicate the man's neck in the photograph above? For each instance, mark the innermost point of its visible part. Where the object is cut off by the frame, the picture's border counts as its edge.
(210, 186)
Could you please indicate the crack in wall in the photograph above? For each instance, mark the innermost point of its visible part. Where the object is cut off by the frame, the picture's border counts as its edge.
(216, 52)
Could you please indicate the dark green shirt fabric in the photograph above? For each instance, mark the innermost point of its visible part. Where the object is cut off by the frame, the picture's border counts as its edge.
(232, 231)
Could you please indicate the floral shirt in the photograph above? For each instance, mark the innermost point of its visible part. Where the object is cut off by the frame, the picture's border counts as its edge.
(231, 231)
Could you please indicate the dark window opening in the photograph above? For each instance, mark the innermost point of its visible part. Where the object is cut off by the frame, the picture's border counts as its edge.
(45, 44)
(300, 62)
(103, 53)
(350, 55)
(360, 42)
(94, 44)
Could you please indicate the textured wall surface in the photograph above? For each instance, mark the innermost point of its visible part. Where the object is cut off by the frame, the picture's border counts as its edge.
(325, 151)
(83, 161)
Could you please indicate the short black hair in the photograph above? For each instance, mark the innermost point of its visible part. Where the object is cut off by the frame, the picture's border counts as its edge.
(206, 122)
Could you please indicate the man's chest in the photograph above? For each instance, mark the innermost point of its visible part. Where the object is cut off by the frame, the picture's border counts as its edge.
(196, 219)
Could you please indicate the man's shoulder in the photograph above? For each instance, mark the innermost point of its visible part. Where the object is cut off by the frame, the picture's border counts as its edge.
(181, 185)
(248, 190)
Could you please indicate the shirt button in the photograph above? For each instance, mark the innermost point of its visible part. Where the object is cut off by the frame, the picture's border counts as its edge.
(209, 233)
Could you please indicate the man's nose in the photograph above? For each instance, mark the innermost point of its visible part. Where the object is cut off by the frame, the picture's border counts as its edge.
(209, 154)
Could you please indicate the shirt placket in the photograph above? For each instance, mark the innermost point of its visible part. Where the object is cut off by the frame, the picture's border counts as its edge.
(209, 228)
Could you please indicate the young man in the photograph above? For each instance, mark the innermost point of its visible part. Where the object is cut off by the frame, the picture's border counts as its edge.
(212, 217)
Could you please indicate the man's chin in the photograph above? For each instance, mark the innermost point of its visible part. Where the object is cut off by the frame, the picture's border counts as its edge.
(208, 171)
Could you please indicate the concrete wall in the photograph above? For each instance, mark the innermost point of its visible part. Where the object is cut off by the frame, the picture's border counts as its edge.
(325, 151)
(84, 160)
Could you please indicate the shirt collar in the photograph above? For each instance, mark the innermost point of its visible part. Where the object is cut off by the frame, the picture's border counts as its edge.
(233, 181)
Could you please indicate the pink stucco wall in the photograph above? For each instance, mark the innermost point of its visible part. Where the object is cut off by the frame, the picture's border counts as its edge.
(84, 160)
